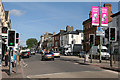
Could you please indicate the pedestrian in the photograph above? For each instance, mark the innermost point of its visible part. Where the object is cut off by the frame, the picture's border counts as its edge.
(6, 59)
(13, 59)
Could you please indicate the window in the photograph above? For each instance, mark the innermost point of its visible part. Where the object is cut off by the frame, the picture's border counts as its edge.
(72, 42)
(72, 36)
(81, 34)
(117, 22)
(56, 44)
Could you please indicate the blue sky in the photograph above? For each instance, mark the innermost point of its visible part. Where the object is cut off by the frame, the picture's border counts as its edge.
(31, 19)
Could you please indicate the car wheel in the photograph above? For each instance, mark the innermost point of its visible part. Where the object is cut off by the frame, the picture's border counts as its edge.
(28, 56)
(53, 59)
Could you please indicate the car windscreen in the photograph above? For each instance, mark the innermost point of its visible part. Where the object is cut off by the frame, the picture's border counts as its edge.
(55, 51)
(103, 50)
(24, 52)
(47, 53)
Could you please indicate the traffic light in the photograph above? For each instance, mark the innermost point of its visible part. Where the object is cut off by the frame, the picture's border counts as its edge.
(107, 33)
(17, 37)
(112, 34)
(91, 39)
(11, 38)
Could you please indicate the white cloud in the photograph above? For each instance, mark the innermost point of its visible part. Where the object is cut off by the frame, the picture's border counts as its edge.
(16, 12)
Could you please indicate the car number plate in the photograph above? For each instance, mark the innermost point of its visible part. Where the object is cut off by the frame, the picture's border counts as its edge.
(49, 57)
(25, 55)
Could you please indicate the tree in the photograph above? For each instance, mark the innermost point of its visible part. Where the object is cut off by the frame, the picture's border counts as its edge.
(31, 42)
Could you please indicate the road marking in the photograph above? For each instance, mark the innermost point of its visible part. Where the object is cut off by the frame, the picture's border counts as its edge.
(30, 76)
(22, 68)
(24, 64)
(111, 71)
(76, 63)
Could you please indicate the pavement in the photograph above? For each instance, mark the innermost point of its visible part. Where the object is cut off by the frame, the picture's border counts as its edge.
(5, 72)
(105, 64)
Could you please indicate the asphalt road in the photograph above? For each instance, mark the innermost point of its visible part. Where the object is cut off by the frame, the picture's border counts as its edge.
(33, 67)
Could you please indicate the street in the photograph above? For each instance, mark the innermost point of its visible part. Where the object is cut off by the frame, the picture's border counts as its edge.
(33, 67)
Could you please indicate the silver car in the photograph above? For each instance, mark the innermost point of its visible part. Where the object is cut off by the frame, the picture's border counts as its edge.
(47, 56)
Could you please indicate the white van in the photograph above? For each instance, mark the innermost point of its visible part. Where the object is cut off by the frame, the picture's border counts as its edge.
(104, 52)
(96, 52)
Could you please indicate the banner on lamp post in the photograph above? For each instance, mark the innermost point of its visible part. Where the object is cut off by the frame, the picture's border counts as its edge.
(95, 15)
(104, 16)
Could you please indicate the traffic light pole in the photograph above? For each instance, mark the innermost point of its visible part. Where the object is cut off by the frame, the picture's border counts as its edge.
(110, 55)
(10, 64)
(91, 53)
(100, 26)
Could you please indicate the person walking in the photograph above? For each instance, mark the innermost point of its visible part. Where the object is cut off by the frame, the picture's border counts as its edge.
(6, 59)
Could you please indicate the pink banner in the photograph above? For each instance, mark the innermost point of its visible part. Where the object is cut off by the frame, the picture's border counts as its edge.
(95, 15)
(104, 16)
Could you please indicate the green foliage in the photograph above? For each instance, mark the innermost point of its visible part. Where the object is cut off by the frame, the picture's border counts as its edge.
(31, 42)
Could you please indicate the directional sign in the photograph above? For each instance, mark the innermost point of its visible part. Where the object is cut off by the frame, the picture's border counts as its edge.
(100, 31)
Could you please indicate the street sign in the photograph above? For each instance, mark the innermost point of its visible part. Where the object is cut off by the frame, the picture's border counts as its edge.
(100, 31)
(4, 37)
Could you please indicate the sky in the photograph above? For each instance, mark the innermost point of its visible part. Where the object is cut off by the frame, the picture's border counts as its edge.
(32, 19)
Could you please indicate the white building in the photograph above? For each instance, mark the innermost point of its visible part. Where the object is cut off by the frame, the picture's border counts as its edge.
(72, 37)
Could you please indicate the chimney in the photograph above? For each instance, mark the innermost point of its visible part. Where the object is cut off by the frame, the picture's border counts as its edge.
(108, 6)
(62, 31)
(71, 28)
(46, 33)
(53, 33)
(90, 14)
(68, 28)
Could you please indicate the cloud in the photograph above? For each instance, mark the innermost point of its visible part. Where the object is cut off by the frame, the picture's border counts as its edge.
(16, 12)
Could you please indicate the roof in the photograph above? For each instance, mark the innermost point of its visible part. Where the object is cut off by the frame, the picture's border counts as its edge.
(74, 32)
(90, 19)
(118, 13)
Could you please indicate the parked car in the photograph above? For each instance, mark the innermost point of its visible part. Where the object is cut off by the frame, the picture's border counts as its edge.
(56, 54)
(47, 56)
(25, 54)
(82, 54)
(32, 51)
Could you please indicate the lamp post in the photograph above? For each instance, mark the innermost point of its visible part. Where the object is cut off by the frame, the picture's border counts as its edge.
(100, 26)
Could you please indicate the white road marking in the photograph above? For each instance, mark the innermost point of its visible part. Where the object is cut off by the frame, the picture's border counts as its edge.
(76, 63)
(24, 64)
(111, 71)
(30, 76)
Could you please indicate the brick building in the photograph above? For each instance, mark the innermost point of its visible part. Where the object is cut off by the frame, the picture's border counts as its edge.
(89, 29)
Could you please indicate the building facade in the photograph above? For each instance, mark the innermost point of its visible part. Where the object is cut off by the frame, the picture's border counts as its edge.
(89, 29)
(47, 40)
(5, 24)
(73, 37)
(116, 23)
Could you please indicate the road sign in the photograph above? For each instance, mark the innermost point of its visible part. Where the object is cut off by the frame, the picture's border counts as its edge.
(100, 31)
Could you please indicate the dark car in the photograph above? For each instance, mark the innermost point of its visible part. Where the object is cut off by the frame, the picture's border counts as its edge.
(25, 54)
(47, 56)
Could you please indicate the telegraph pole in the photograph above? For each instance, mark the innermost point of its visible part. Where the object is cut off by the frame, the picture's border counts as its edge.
(100, 26)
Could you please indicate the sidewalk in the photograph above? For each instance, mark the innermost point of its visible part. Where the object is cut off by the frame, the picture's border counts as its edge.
(5, 72)
(105, 64)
